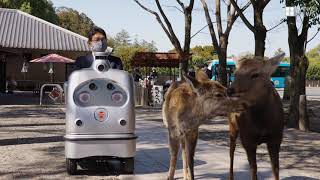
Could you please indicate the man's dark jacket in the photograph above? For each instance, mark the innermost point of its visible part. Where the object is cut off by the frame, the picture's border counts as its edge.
(86, 61)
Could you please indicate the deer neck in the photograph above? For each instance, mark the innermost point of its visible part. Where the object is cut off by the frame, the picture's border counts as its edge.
(198, 111)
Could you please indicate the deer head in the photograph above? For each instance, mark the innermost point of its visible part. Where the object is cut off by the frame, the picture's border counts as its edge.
(252, 78)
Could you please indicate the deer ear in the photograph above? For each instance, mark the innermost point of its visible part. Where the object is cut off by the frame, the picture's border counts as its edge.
(201, 76)
(193, 83)
(272, 64)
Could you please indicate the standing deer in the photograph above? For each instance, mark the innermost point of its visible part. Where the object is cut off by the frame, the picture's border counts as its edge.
(187, 105)
(262, 119)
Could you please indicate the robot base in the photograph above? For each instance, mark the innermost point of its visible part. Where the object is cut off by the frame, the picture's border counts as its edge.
(96, 151)
(125, 165)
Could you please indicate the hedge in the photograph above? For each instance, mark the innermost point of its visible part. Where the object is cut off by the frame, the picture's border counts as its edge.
(313, 72)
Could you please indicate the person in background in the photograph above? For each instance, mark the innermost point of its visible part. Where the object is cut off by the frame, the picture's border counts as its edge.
(136, 75)
(97, 41)
(191, 72)
(153, 74)
(11, 84)
(207, 71)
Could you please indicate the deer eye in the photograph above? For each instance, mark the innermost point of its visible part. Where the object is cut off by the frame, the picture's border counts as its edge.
(254, 76)
(218, 95)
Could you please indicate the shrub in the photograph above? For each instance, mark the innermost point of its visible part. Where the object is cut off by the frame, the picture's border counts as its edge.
(313, 72)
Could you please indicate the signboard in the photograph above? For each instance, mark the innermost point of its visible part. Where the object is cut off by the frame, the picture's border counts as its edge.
(55, 94)
(157, 95)
(291, 11)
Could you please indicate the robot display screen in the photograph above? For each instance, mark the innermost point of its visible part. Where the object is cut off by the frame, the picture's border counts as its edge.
(99, 92)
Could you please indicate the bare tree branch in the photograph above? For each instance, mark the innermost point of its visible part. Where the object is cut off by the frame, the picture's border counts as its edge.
(305, 27)
(175, 8)
(244, 19)
(211, 29)
(188, 21)
(181, 4)
(265, 3)
(190, 7)
(314, 35)
(254, 3)
(170, 29)
(218, 17)
(233, 16)
(199, 31)
(243, 8)
(281, 21)
(171, 38)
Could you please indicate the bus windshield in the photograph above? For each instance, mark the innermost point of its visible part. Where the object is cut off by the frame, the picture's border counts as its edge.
(282, 71)
(230, 69)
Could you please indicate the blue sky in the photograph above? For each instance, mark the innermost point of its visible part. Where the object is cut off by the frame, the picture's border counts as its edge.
(115, 15)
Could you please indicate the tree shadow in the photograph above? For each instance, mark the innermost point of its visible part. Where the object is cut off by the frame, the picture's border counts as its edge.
(32, 125)
(238, 175)
(299, 178)
(31, 140)
(149, 161)
(32, 112)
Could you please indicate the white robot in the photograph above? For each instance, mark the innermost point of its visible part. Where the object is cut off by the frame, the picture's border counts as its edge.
(100, 116)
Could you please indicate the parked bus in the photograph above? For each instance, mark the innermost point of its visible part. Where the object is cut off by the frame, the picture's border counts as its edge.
(277, 78)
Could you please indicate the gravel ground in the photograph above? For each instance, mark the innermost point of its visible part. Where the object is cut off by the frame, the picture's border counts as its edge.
(31, 144)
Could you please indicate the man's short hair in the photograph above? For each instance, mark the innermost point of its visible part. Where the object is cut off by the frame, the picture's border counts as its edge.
(95, 30)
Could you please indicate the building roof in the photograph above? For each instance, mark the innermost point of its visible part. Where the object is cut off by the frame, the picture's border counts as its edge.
(152, 59)
(22, 30)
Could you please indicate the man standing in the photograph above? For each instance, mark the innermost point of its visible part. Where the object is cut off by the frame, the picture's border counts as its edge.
(97, 41)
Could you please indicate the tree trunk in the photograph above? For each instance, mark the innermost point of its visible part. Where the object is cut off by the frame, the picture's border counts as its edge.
(260, 33)
(223, 61)
(286, 95)
(260, 37)
(304, 64)
(294, 92)
(183, 65)
(298, 68)
(303, 117)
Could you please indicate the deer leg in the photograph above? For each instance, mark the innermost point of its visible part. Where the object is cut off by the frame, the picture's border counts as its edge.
(233, 138)
(251, 154)
(174, 149)
(273, 149)
(184, 160)
(191, 142)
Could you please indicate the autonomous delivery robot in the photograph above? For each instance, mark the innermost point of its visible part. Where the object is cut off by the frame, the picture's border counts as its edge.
(100, 117)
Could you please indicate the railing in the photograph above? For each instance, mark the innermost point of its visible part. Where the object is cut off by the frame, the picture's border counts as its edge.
(52, 85)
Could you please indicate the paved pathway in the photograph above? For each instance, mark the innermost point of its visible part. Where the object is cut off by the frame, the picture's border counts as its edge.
(31, 147)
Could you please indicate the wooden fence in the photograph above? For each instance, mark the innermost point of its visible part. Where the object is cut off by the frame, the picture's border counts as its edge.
(312, 83)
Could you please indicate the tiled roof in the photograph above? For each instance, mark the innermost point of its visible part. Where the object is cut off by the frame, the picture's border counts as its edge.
(21, 30)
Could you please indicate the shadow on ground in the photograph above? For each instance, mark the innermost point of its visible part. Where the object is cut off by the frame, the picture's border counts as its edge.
(158, 161)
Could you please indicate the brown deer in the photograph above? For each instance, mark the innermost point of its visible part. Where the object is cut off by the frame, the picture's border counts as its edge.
(186, 106)
(262, 119)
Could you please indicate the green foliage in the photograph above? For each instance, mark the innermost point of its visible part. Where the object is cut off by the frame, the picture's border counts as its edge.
(74, 21)
(313, 72)
(40, 8)
(314, 55)
(202, 54)
(206, 52)
(122, 38)
(126, 50)
(286, 59)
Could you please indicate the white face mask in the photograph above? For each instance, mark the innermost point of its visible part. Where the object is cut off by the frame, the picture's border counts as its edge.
(99, 46)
